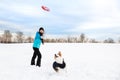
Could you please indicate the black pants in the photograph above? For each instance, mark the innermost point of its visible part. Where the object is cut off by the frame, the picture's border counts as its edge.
(37, 55)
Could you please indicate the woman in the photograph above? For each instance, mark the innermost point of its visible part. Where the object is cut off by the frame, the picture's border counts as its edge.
(36, 45)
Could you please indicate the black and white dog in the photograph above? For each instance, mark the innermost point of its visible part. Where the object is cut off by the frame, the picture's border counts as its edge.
(59, 62)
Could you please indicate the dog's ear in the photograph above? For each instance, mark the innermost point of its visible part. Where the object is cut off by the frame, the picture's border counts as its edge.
(55, 56)
(60, 54)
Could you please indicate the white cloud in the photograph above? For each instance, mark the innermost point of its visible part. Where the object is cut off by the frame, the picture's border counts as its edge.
(22, 9)
(17, 27)
(25, 10)
(9, 24)
(101, 23)
(104, 14)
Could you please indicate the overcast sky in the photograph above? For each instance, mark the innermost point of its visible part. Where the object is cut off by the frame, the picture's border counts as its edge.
(96, 18)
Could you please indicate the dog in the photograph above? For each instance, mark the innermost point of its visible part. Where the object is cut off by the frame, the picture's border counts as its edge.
(59, 62)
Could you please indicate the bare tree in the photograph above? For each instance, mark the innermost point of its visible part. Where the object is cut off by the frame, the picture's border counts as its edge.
(20, 37)
(81, 38)
(7, 36)
(93, 41)
(119, 40)
(0, 39)
(69, 40)
(109, 40)
(47, 40)
(29, 39)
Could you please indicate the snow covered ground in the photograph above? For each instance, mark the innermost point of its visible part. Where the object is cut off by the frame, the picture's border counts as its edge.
(84, 62)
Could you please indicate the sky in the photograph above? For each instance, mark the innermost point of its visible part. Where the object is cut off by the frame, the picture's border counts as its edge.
(99, 19)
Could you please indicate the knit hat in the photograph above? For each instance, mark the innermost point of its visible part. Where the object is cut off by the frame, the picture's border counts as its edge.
(41, 28)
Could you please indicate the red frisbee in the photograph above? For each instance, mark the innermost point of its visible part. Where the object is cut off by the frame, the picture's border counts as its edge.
(45, 8)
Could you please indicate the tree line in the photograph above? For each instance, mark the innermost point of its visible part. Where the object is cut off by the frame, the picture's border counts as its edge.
(7, 37)
(19, 37)
(82, 38)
